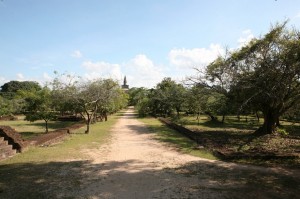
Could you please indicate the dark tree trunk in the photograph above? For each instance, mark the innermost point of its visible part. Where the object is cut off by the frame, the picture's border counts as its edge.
(46, 124)
(238, 117)
(213, 118)
(278, 122)
(269, 126)
(257, 116)
(105, 117)
(88, 122)
(223, 119)
(198, 118)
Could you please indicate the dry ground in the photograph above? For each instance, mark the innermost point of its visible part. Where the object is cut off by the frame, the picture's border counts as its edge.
(133, 164)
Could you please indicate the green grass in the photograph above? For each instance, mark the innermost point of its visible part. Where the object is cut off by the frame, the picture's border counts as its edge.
(31, 129)
(69, 149)
(231, 123)
(169, 136)
(236, 136)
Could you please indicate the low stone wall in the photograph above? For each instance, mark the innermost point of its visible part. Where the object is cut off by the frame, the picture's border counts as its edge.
(8, 118)
(13, 138)
(188, 133)
(54, 136)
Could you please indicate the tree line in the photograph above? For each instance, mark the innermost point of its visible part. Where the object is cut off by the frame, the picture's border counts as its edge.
(66, 95)
(261, 77)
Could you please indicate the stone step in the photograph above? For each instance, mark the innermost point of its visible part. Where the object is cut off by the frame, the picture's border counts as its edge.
(4, 148)
(3, 143)
(8, 153)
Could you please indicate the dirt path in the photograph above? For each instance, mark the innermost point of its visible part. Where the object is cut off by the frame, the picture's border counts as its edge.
(135, 165)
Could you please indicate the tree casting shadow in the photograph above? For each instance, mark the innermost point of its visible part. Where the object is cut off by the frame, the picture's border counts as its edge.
(129, 179)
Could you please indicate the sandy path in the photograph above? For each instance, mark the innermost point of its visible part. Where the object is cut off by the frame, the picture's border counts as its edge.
(135, 165)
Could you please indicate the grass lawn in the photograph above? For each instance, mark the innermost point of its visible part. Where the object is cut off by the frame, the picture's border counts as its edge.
(235, 137)
(31, 129)
(69, 148)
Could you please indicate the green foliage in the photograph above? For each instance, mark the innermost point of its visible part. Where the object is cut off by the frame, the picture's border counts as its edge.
(10, 89)
(282, 131)
(136, 95)
(93, 100)
(38, 105)
(261, 76)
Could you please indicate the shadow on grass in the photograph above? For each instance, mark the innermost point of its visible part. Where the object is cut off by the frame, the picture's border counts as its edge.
(29, 135)
(228, 124)
(51, 124)
(116, 179)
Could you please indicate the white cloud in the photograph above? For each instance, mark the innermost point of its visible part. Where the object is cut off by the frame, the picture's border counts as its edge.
(2, 81)
(77, 54)
(246, 37)
(142, 72)
(102, 69)
(297, 15)
(196, 57)
(47, 77)
(20, 77)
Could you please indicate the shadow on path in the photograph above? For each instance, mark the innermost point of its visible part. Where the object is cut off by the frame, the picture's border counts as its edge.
(116, 179)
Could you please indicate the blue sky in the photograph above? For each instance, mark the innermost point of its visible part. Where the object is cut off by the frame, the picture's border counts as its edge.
(145, 40)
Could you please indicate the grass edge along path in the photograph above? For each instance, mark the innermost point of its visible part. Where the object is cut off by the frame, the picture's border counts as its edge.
(175, 139)
(69, 148)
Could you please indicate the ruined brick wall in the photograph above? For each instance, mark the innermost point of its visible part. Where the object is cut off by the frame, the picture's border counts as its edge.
(13, 138)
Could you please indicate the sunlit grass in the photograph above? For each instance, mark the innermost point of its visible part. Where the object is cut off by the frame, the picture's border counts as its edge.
(70, 148)
(31, 129)
(167, 135)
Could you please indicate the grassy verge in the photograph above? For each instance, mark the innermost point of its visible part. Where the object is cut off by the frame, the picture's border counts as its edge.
(69, 149)
(167, 135)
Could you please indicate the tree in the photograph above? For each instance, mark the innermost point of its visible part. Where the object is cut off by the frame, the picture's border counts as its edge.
(167, 97)
(38, 105)
(265, 74)
(91, 99)
(5, 108)
(9, 89)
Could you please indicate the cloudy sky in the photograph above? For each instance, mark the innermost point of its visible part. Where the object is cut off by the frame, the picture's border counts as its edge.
(146, 40)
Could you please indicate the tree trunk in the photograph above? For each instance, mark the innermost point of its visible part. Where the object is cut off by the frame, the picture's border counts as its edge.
(223, 119)
(105, 117)
(269, 126)
(213, 118)
(88, 122)
(278, 122)
(257, 116)
(46, 124)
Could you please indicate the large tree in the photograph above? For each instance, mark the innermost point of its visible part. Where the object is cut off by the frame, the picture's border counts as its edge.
(265, 74)
(38, 105)
(90, 99)
(10, 89)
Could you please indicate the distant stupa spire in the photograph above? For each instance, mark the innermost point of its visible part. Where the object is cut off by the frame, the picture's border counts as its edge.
(125, 86)
(125, 81)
